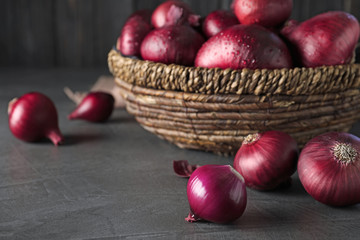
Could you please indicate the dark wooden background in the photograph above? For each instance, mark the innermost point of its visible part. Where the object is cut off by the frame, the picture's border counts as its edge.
(79, 33)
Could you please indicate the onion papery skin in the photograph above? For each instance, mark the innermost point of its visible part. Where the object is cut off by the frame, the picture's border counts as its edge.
(173, 12)
(217, 21)
(244, 46)
(327, 39)
(267, 160)
(216, 193)
(324, 176)
(33, 117)
(268, 13)
(95, 107)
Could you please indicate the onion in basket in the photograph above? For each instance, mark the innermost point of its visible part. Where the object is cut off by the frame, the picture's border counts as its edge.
(172, 44)
(326, 39)
(244, 46)
(136, 27)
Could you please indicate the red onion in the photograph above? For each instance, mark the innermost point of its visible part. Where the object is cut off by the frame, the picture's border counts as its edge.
(33, 117)
(217, 21)
(244, 46)
(173, 12)
(329, 168)
(136, 27)
(268, 13)
(182, 168)
(216, 193)
(267, 160)
(95, 107)
(326, 39)
(173, 44)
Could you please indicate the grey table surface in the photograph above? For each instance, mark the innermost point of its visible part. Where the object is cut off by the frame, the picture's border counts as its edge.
(115, 181)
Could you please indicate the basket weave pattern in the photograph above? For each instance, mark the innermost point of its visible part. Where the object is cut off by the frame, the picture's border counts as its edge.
(214, 109)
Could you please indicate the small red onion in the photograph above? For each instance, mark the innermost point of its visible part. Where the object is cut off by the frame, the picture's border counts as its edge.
(33, 117)
(95, 107)
(267, 160)
(216, 193)
(182, 168)
(329, 168)
(268, 13)
(217, 21)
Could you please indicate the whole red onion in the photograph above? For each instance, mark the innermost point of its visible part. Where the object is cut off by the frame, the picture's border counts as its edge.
(136, 27)
(327, 39)
(216, 193)
(95, 107)
(217, 21)
(172, 44)
(173, 12)
(244, 46)
(329, 168)
(33, 117)
(267, 160)
(268, 13)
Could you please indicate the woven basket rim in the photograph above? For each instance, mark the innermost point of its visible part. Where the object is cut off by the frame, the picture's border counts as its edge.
(136, 59)
(190, 79)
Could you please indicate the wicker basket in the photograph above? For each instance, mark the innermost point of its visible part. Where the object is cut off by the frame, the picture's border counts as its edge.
(213, 109)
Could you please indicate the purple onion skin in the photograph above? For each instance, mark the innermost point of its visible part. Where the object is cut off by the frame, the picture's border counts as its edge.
(173, 12)
(324, 176)
(136, 27)
(217, 21)
(95, 107)
(244, 46)
(182, 168)
(268, 13)
(216, 193)
(173, 44)
(327, 39)
(267, 162)
(33, 117)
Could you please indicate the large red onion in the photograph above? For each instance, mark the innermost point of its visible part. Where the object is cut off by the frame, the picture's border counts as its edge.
(216, 193)
(173, 44)
(217, 21)
(326, 39)
(267, 160)
(173, 12)
(329, 168)
(33, 117)
(95, 107)
(268, 13)
(244, 46)
(136, 27)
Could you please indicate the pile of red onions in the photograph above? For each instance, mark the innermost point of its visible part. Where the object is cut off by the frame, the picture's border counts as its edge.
(216, 193)
(329, 168)
(33, 117)
(267, 160)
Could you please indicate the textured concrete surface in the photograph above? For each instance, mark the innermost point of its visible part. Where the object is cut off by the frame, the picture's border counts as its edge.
(115, 180)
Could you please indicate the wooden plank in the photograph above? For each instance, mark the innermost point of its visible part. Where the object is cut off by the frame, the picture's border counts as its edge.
(110, 16)
(203, 7)
(146, 4)
(305, 9)
(28, 33)
(74, 36)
